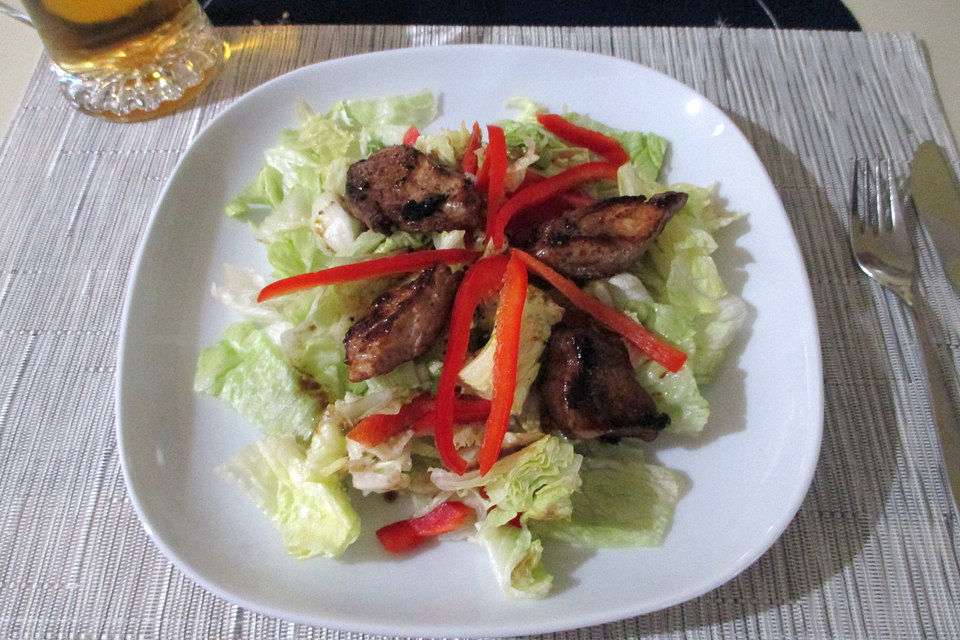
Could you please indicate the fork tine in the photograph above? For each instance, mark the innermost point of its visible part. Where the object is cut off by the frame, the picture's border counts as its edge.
(878, 204)
(879, 236)
(897, 220)
(856, 216)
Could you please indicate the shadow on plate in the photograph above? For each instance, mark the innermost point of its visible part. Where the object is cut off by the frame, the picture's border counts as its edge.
(847, 316)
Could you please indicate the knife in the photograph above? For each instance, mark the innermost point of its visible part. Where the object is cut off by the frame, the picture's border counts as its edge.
(936, 196)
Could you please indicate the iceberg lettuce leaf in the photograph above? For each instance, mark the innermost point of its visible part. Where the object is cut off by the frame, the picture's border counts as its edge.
(311, 510)
(516, 558)
(247, 371)
(624, 500)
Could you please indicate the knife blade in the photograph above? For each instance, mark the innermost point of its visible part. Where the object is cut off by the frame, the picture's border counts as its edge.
(936, 196)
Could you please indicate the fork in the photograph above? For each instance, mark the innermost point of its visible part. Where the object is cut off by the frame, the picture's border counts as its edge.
(882, 247)
(878, 229)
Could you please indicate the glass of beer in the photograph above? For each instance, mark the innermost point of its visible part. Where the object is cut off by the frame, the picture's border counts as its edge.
(126, 60)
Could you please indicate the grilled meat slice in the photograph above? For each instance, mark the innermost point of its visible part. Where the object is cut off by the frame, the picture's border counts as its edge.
(401, 188)
(604, 238)
(401, 324)
(589, 388)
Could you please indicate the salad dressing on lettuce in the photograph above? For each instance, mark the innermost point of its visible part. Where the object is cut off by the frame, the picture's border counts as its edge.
(331, 440)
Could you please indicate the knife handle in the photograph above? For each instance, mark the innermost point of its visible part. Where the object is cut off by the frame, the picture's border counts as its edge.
(942, 402)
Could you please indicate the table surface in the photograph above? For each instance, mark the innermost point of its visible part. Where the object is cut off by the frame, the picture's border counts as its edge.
(873, 551)
(934, 21)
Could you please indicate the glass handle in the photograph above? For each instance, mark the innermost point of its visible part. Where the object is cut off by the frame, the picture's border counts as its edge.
(13, 13)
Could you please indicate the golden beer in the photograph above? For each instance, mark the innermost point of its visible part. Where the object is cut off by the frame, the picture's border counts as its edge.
(127, 59)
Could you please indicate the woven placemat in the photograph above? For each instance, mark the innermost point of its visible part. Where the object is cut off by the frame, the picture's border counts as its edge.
(873, 551)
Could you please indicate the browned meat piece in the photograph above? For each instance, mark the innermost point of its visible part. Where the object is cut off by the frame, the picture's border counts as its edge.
(589, 388)
(605, 238)
(401, 324)
(401, 188)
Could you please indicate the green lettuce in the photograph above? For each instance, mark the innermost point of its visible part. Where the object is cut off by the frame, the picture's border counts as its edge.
(623, 501)
(646, 150)
(315, 155)
(677, 395)
(535, 481)
(300, 489)
(248, 371)
(539, 315)
(676, 290)
(516, 558)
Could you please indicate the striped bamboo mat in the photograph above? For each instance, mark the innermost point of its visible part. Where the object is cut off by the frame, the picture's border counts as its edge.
(873, 552)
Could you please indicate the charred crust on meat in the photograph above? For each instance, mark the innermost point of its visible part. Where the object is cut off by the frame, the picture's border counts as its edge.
(414, 210)
(401, 324)
(606, 237)
(588, 386)
(401, 188)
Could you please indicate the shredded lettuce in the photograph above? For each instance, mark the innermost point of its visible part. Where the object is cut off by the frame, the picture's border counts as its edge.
(300, 489)
(646, 150)
(539, 315)
(677, 291)
(515, 555)
(624, 500)
(535, 483)
(677, 395)
(247, 371)
(315, 156)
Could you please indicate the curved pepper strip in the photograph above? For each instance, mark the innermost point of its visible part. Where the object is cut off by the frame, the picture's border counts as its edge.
(496, 161)
(465, 410)
(648, 342)
(513, 295)
(380, 427)
(417, 415)
(483, 278)
(407, 534)
(469, 162)
(379, 267)
(569, 199)
(542, 191)
(526, 222)
(604, 145)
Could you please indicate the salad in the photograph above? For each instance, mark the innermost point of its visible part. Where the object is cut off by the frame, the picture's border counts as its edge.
(486, 323)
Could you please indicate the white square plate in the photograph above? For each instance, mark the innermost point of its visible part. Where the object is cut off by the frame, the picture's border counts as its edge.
(747, 474)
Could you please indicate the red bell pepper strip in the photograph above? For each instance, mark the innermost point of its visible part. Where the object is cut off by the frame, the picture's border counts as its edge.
(407, 534)
(469, 162)
(399, 536)
(410, 137)
(380, 427)
(525, 223)
(513, 295)
(542, 191)
(570, 199)
(482, 278)
(496, 159)
(604, 145)
(483, 175)
(465, 411)
(445, 517)
(379, 267)
(648, 342)
(417, 415)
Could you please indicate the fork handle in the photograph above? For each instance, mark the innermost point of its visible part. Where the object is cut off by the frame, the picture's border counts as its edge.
(944, 407)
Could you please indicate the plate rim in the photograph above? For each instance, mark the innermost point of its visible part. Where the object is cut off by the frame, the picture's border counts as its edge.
(814, 387)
